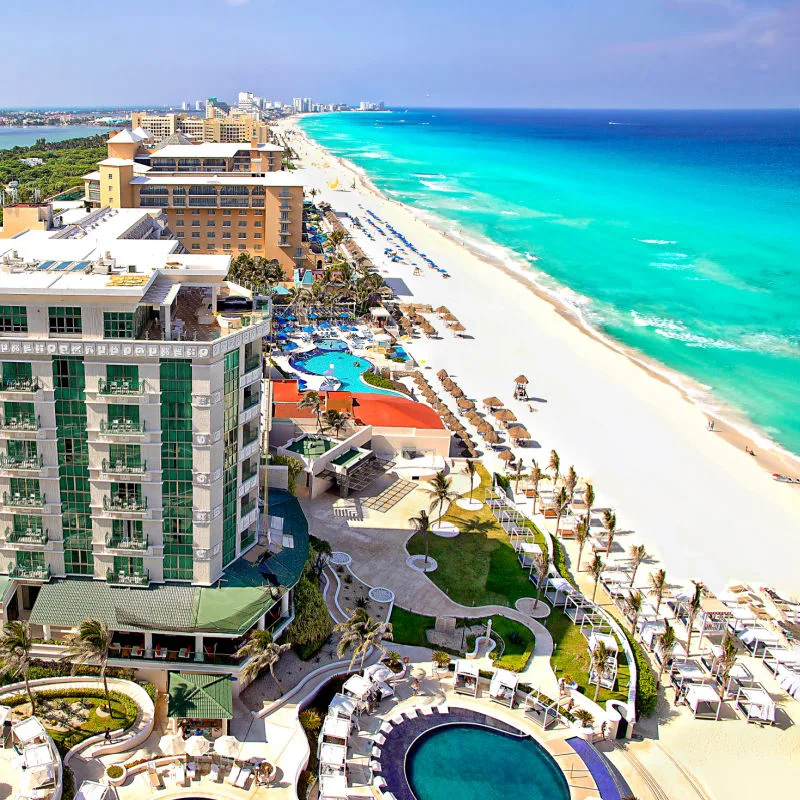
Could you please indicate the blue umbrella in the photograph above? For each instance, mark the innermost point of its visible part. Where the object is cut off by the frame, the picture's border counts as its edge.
(308, 329)
(344, 315)
(325, 324)
(313, 316)
(292, 318)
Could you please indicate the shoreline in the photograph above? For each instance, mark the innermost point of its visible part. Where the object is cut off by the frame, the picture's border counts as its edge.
(741, 433)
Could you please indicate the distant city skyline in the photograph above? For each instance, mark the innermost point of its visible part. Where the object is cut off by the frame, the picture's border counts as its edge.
(619, 54)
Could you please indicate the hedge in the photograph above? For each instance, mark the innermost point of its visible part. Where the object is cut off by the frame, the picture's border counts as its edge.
(377, 380)
(59, 669)
(646, 684)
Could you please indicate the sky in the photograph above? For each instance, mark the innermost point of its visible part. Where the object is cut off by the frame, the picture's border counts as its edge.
(515, 53)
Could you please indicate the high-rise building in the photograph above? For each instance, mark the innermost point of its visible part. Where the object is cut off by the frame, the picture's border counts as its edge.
(218, 198)
(297, 104)
(233, 128)
(130, 442)
(185, 105)
(199, 105)
(216, 108)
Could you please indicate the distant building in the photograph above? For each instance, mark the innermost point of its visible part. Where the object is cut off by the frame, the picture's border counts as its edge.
(185, 105)
(216, 108)
(199, 105)
(32, 162)
(232, 128)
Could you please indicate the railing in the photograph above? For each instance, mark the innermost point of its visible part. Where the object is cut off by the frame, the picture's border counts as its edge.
(121, 426)
(28, 536)
(20, 423)
(249, 437)
(249, 472)
(250, 400)
(19, 385)
(20, 462)
(136, 578)
(31, 573)
(185, 654)
(124, 504)
(117, 542)
(252, 362)
(247, 508)
(120, 387)
(31, 501)
(122, 468)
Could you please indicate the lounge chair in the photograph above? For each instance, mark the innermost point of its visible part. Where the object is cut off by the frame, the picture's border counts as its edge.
(192, 770)
(155, 778)
(244, 776)
(214, 774)
(180, 774)
(378, 782)
(376, 752)
(236, 770)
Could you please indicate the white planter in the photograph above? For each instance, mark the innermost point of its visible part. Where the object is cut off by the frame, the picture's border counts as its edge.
(117, 781)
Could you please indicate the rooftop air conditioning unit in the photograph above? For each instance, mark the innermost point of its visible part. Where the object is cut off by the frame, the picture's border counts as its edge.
(102, 268)
(131, 267)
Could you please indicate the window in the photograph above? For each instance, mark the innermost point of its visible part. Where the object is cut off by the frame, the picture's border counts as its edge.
(180, 212)
(242, 247)
(179, 223)
(258, 247)
(195, 234)
(258, 224)
(65, 320)
(211, 235)
(125, 375)
(257, 236)
(226, 235)
(242, 235)
(195, 247)
(124, 325)
(195, 223)
(211, 223)
(195, 212)
(226, 246)
(226, 212)
(285, 216)
(284, 227)
(123, 415)
(242, 223)
(242, 212)
(13, 319)
(226, 223)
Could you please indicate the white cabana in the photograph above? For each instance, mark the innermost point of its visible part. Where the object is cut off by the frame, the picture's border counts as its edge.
(342, 706)
(4, 713)
(741, 617)
(789, 680)
(651, 630)
(557, 589)
(332, 755)
(527, 552)
(91, 790)
(357, 686)
(610, 576)
(466, 677)
(378, 672)
(37, 754)
(333, 787)
(335, 730)
(503, 687)
(704, 701)
(37, 777)
(608, 676)
(755, 639)
(685, 673)
(775, 657)
(606, 638)
(29, 730)
(756, 705)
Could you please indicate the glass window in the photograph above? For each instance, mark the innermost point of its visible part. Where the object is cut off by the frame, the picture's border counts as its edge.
(179, 223)
(242, 223)
(195, 247)
(65, 320)
(124, 324)
(13, 319)
(226, 235)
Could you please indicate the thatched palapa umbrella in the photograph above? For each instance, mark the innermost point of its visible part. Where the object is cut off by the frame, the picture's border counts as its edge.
(474, 418)
(457, 426)
(518, 432)
(506, 455)
(484, 427)
(465, 404)
(492, 402)
(490, 436)
(448, 384)
(457, 392)
(521, 381)
(505, 415)
(442, 374)
(457, 327)
(448, 317)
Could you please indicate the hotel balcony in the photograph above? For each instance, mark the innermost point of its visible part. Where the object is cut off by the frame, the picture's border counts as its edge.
(250, 400)
(21, 501)
(249, 436)
(121, 468)
(29, 573)
(25, 424)
(248, 471)
(26, 385)
(253, 362)
(31, 536)
(128, 505)
(247, 507)
(20, 464)
(117, 388)
(136, 578)
(126, 543)
(121, 427)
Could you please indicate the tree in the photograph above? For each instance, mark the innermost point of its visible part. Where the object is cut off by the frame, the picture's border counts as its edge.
(634, 606)
(471, 469)
(581, 536)
(536, 476)
(598, 660)
(554, 466)
(336, 421)
(610, 524)
(658, 582)
(571, 481)
(518, 476)
(638, 554)
(562, 504)
(263, 654)
(362, 633)
(314, 402)
(726, 662)
(312, 622)
(422, 524)
(441, 492)
(335, 238)
(595, 570)
(91, 644)
(694, 607)
(588, 495)
(542, 567)
(15, 654)
(667, 640)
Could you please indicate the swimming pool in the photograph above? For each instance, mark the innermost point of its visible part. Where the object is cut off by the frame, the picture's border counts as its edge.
(470, 762)
(343, 364)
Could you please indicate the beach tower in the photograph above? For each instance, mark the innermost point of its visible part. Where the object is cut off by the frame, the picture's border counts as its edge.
(520, 387)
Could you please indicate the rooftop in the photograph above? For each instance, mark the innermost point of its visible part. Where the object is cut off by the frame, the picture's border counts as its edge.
(199, 696)
(277, 178)
(212, 150)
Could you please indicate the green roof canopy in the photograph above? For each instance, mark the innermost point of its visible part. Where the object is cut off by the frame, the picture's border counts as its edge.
(198, 696)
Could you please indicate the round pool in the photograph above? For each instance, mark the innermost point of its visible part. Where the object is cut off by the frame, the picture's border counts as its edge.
(471, 762)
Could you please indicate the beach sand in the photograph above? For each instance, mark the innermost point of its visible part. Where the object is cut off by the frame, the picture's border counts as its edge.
(702, 506)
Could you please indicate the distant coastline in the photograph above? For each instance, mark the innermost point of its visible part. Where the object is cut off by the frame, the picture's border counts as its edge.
(25, 136)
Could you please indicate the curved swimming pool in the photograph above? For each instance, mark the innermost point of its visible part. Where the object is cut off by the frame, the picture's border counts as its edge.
(471, 762)
(341, 363)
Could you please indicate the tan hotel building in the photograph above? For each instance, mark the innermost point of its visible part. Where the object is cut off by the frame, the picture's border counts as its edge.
(233, 128)
(218, 198)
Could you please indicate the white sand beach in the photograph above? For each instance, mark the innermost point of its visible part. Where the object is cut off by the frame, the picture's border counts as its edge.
(703, 507)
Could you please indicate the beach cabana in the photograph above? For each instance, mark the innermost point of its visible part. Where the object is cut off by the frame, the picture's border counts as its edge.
(608, 677)
(503, 687)
(29, 730)
(335, 730)
(466, 677)
(333, 787)
(703, 701)
(457, 327)
(557, 590)
(756, 705)
(527, 553)
(756, 639)
(342, 706)
(520, 390)
(651, 630)
(359, 687)
(775, 657)
(91, 790)
(714, 615)
(332, 758)
(684, 673)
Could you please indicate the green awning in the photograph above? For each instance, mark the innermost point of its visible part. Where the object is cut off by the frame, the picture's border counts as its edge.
(198, 696)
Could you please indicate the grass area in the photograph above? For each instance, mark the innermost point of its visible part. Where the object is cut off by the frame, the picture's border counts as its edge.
(519, 643)
(409, 628)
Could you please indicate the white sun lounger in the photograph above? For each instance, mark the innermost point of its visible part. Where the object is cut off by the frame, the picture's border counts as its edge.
(378, 782)
(236, 770)
(214, 773)
(376, 752)
(180, 774)
(244, 776)
(426, 711)
(379, 738)
(192, 769)
(386, 727)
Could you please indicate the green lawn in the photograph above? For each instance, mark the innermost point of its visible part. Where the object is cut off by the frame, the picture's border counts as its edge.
(409, 628)
(519, 643)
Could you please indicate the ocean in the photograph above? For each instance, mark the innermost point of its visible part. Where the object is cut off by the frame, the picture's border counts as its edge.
(12, 136)
(677, 233)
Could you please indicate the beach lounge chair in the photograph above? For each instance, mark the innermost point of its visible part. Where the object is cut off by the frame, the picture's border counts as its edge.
(154, 777)
(214, 773)
(244, 776)
(236, 771)
(179, 773)
(191, 768)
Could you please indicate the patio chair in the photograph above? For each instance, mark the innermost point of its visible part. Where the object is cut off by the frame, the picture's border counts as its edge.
(154, 777)
(180, 774)
(244, 776)
(235, 772)
(214, 773)
(192, 770)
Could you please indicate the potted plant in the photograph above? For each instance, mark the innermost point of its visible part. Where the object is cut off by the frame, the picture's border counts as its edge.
(393, 661)
(116, 775)
(442, 660)
(585, 719)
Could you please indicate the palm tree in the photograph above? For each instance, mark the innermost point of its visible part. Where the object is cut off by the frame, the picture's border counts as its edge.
(726, 662)
(595, 570)
(263, 654)
(536, 476)
(423, 525)
(588, 495)
(361, 632)
(91, 644)
(440, 493)
(562, 504)
(667, 640)
(571, 481)
(694, 607)
(555, 466)
(472, 469)
(634, 606)
(336, 421)
(335, 238)
(313, 401)
(610, 524)
(638, 554)
(581, 536)
(542, 567)
(598, 659)
(658, 582)
(15, 654)
(518, 476)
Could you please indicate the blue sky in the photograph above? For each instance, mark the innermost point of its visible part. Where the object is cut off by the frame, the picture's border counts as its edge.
(532, 53)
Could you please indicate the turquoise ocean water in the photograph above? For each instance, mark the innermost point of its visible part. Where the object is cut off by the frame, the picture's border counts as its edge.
(676, 233)
(11, 136)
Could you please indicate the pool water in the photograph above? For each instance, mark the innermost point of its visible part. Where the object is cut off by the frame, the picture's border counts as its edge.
(346, 367)
(312, 448)
(332, 344)
(468, 762)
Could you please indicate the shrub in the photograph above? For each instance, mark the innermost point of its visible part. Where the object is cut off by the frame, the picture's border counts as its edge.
(68, 780)
(646, 684)
(440, 658)
(393, 658)
(295, 468)
(376, 380)
(361, 601)
(312, 623)
(583, 716)
(310, 720)
(114, 771)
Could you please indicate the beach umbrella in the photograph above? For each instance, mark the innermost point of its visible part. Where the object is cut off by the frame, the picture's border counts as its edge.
(484, 425)
(504, 415)
(442, 374)
(457, 327)
(428, 328)
(449, 317)
(457, 391)
(465, 403)
(506, 455)
(197, 745)
(227, 746)
(443, 310)
(521, 380)
(493, 402)
(518, 432)
(457, 426)
(474, 418)
(490, 436)
(173, 744)
(448, 384)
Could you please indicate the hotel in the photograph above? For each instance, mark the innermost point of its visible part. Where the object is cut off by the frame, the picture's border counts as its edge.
(232, 128)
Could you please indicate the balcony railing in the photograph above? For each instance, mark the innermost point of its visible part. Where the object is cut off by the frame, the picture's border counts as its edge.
(134, 578)
(249, 472)
(24, 501)
(29, 572)
(27, 536)
(247, 508)
(248, 437)
(120, 467)
(29, 463)
(20, 423)
(117, 542)
(120, 387)
(124, 427)
(250, 400)
(133, 504)
(19, 385)
(252, 362)
(185, 654)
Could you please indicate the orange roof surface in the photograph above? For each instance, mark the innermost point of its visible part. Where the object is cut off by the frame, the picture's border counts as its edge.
(286, 392)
